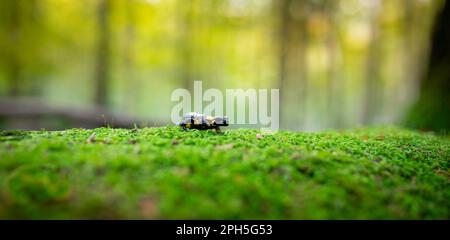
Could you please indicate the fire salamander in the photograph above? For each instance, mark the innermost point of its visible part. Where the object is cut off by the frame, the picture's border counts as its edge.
(202, 122)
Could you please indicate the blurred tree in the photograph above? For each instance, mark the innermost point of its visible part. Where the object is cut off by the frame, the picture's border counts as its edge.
(373, 99)
(186, 29)
(432, 110)
(103, 53)
(129, 54)
(14, 64)
(19, 42)
(335, 83)
(293, 82)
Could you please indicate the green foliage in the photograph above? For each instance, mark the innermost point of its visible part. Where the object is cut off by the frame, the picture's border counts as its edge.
(431, 112)
(169, 173)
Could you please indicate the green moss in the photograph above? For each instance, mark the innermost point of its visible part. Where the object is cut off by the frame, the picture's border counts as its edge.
(379, 173)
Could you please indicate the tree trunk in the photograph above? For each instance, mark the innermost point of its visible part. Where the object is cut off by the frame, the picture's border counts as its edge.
(103, 53)
(373, 99)
(335, 83)
(432, 110)
(131, 85)
(284, 36)
(185, 42)
(14, 61)
(292, 64)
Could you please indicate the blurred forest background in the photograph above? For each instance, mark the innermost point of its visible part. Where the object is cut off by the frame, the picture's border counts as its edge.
(338, 63)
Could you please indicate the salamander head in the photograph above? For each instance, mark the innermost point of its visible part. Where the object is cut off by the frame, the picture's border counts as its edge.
(221, 121)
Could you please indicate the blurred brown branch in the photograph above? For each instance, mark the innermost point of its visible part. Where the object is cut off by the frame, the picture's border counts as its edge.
(27, 113)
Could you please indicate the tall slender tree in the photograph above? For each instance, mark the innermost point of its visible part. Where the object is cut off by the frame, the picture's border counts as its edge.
(292, 63)
(373, 85)
(129, 55)
(20, 44)
(185, 21)
(335, 86)
(12, 49)
(102, 70)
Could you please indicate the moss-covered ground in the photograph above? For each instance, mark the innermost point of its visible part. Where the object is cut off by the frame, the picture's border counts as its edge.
(375, 173)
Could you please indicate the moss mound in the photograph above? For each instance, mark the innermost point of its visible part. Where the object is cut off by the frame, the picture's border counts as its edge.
(377, 173)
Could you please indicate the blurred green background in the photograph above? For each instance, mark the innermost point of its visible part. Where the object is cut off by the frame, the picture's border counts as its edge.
(338, 64)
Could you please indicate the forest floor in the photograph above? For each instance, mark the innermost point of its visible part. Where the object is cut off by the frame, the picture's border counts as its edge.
(367, 173)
